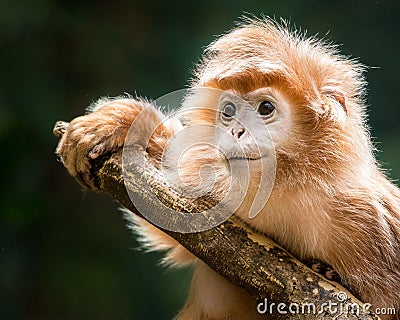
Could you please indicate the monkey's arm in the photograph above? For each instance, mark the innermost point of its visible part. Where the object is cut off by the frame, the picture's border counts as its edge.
(105, 129)
(239, 254)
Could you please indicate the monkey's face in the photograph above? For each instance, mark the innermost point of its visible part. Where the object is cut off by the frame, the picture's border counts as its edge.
(240, 125)
(252, 124)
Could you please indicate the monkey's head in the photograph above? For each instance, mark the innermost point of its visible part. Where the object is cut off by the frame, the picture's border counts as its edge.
(308, 96)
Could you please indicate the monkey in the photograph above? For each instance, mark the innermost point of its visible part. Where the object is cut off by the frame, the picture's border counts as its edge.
(330, 200)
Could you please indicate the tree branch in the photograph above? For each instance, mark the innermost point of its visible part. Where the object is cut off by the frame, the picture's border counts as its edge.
(241, 255)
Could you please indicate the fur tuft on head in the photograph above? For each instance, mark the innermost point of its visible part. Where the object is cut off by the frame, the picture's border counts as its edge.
(260, 51)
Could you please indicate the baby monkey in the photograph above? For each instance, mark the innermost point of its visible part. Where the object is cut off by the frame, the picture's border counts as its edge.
(330, 201)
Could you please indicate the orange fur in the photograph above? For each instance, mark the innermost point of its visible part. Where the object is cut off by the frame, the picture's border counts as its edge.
(330, 201)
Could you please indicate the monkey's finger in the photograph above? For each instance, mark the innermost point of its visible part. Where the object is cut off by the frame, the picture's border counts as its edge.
(59, 128)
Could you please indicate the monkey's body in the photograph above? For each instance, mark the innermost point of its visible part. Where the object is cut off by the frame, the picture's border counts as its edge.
(330, 200)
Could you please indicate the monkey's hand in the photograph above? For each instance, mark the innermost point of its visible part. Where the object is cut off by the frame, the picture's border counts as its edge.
(104, 130)
(325, 269)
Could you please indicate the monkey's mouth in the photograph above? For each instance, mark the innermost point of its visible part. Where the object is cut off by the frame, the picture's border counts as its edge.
(242, 155)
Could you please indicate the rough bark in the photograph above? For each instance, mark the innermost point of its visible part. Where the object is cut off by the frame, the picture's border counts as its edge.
(238, 253)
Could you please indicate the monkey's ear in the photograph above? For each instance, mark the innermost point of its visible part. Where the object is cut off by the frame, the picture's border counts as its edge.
(336, 94)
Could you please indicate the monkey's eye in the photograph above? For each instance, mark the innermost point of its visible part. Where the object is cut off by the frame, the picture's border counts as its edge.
(266, 108)
(229, 110)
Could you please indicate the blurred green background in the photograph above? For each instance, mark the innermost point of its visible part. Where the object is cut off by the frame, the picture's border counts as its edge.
(65, 254)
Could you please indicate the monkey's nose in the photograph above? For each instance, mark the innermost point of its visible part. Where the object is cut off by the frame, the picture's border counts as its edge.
(237, 132)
